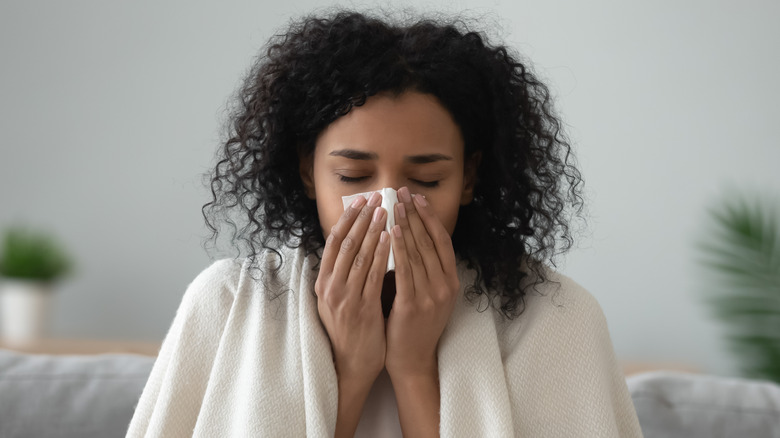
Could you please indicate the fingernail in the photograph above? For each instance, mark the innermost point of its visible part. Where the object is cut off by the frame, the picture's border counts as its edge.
(403, 192)
(397, 231)
(420, 200)
(401, 210)
(374, 200)
(383, 236)
(378, 214)
(358, 202)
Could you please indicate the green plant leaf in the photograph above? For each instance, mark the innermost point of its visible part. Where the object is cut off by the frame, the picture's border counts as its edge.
(741, 253)
(28, 254)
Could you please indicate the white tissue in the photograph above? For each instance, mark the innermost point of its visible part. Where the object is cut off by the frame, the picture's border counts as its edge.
(389, 199)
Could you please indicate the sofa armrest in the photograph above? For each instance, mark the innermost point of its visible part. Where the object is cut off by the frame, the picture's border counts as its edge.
(69, 396)
(673, 404)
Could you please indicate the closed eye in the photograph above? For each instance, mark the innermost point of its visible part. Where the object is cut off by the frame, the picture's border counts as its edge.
(426, 183)
(349, 179)
(352, 179)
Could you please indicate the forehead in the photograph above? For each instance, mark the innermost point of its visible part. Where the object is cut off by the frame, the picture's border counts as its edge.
(411, 123)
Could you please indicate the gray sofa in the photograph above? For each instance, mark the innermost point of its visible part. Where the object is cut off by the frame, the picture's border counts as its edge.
(45, 396)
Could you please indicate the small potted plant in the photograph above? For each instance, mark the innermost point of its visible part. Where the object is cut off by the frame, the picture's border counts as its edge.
(30, 264)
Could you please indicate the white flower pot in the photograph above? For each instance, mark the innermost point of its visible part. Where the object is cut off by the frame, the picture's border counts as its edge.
(25, 307)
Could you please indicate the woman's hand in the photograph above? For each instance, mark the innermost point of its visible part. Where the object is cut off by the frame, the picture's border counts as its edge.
(427, 286)
(349, 287)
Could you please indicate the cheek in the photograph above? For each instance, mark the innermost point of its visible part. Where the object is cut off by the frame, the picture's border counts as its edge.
(447, 212)
(449, 219)
(329, 210)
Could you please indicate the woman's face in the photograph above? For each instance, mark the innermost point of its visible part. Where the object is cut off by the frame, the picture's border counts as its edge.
(410, 140)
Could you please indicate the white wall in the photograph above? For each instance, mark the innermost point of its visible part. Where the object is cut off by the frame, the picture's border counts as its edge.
(110, 112)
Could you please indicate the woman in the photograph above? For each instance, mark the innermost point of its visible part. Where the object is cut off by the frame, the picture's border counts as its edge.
(479, 336)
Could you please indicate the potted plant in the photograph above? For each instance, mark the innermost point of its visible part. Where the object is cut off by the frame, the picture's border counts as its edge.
(30, 264)
(741, 253)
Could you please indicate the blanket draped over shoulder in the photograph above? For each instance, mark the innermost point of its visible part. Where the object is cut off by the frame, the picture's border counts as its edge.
(251, 358)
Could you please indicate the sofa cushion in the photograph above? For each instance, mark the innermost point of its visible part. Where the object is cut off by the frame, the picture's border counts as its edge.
(69, 396)
(671, 404)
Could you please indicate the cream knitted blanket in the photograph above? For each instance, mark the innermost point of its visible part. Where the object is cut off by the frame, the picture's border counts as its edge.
(247, 358)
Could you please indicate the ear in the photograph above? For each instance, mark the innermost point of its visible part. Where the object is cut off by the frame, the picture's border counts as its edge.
(470, 177)
(306, 170)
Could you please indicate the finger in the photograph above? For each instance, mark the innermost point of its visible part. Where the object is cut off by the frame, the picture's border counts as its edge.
(365, 256)
(438, 234)
(419, 273)
(423, 243)
(416, 263)
(404, 283)
(337, 234)
(352, 242)
(402, 220)
(373, 289)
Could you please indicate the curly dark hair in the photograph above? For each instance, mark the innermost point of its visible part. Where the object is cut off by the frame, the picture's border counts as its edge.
(322, 67)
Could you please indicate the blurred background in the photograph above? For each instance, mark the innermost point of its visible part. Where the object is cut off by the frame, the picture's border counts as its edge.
(111, 112)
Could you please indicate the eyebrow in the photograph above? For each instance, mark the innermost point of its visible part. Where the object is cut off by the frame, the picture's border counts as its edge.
(353, 154)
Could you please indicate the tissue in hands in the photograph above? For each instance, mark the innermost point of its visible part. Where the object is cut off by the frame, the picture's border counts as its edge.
(389, 199)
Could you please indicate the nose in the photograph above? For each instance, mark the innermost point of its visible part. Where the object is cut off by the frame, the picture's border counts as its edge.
(394, 182)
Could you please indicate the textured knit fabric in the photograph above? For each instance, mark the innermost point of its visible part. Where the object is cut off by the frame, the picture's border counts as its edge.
(247, 356)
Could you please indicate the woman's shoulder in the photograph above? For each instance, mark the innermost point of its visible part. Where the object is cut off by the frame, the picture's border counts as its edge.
(559, 307)
(237, 274)
(218, 272)
(560, 293)
(219, 282)
(545, 291)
